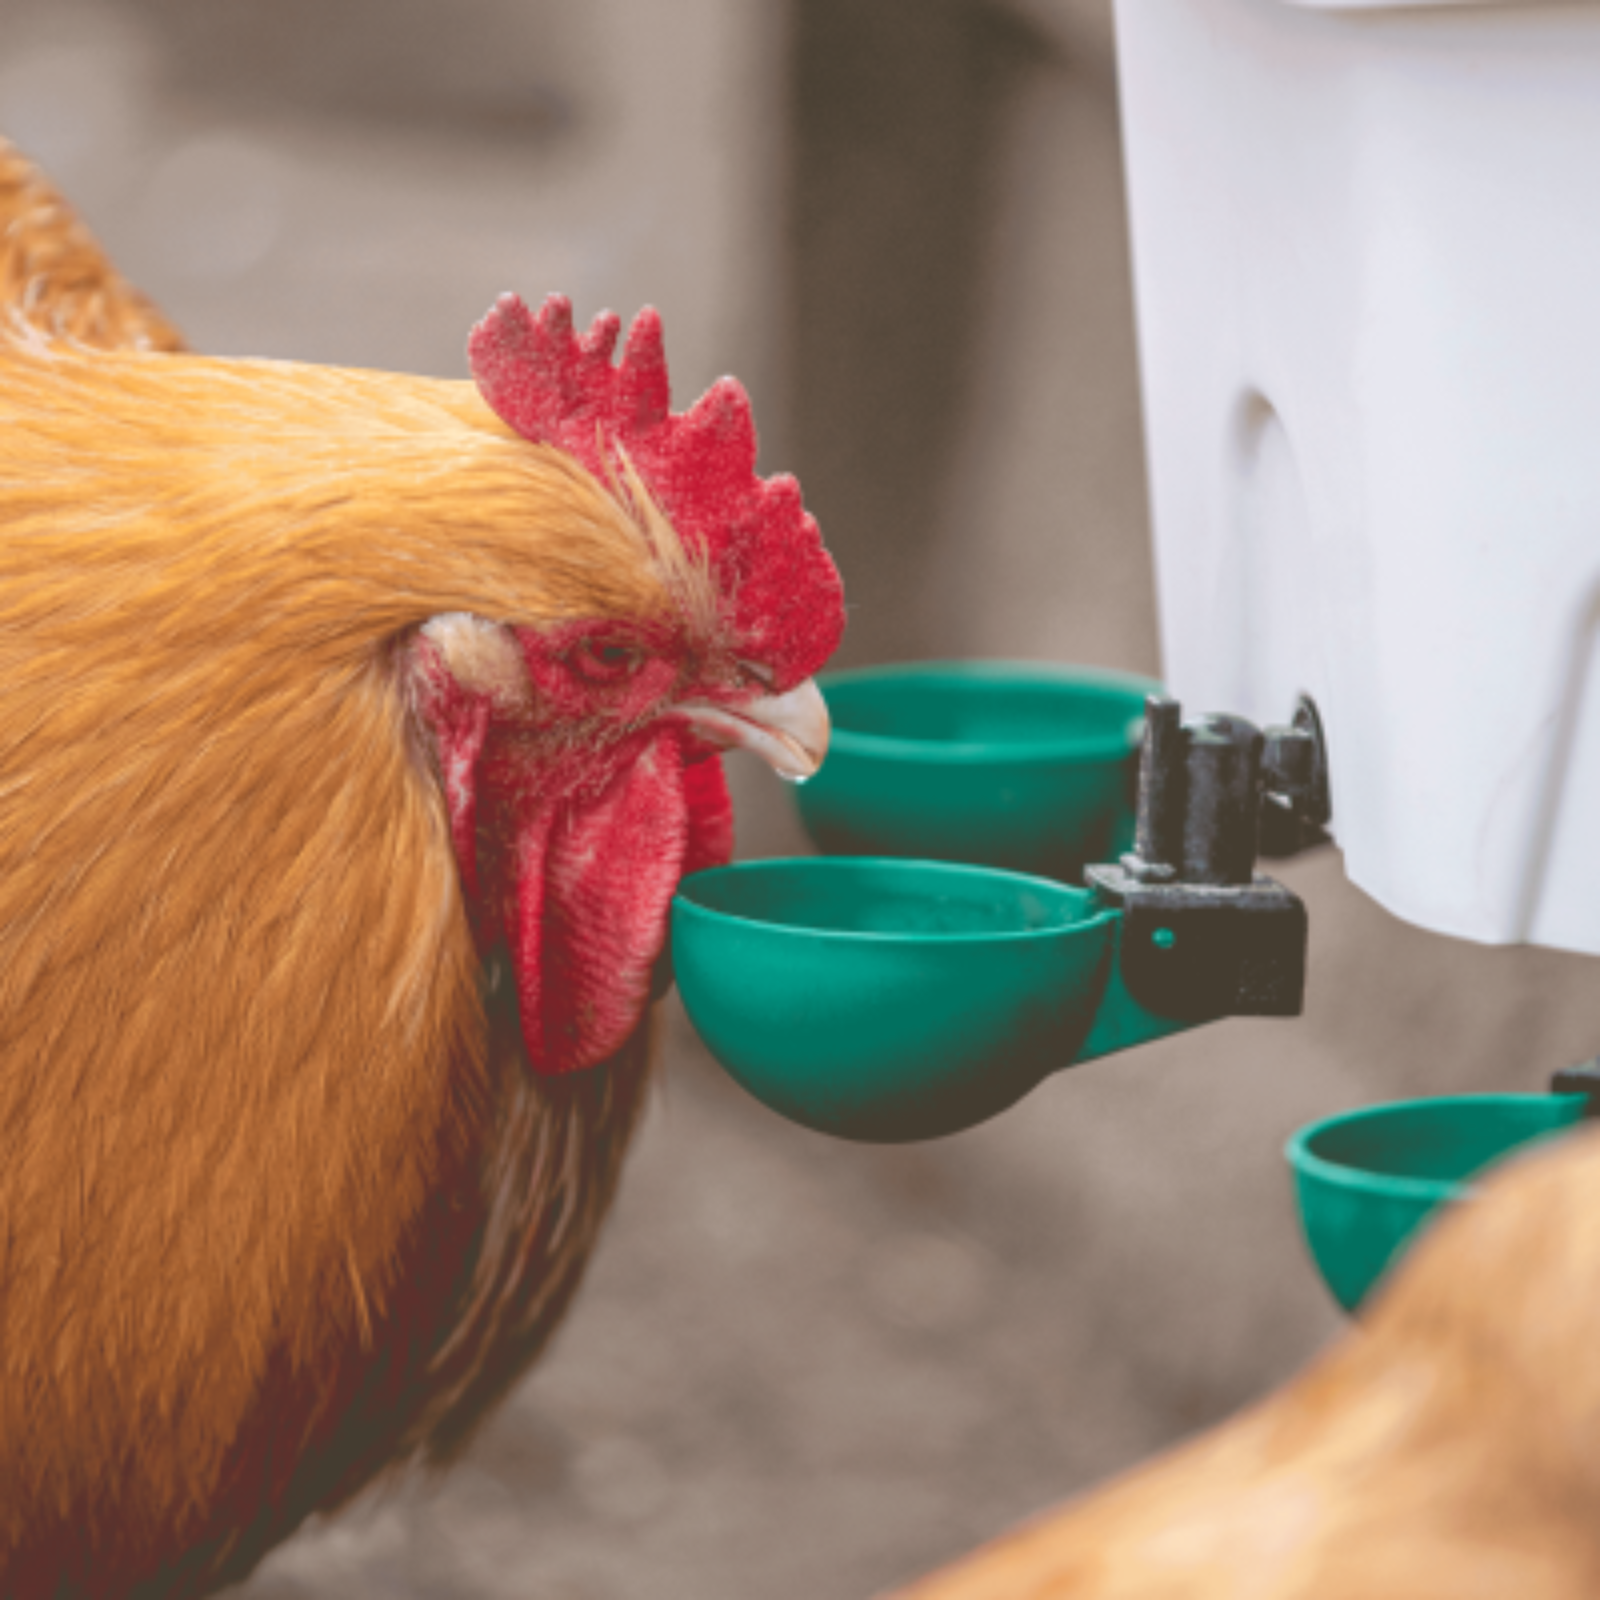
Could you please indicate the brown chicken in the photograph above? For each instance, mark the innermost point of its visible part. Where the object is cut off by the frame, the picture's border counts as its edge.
(1447, 1449)
(357, 731)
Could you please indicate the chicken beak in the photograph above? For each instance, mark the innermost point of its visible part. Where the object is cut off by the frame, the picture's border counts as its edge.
(788, 731)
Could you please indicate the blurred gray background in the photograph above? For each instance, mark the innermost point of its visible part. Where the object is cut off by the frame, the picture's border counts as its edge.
(799, 1368)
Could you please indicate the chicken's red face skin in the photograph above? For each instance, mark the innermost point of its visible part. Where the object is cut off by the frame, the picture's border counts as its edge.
(581, 763)
(578, 799)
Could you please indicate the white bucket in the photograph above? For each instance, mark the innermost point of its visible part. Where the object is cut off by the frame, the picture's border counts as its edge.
(1367, 257)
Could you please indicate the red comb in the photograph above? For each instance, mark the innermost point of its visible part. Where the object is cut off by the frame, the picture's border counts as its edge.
(781, 590)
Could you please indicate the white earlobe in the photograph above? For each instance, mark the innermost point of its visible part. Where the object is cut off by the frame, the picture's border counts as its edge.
(483, 657)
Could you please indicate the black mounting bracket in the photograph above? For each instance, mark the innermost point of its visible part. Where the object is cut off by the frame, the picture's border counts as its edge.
(1204, 935)
(1295, 801)
(1582, 1079)
(1195, 952)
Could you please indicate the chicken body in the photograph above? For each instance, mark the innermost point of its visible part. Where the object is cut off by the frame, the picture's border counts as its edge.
(1446, 1449)
(323, 1031)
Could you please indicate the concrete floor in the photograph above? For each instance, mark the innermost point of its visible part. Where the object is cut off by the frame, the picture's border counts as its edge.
(799, 1368)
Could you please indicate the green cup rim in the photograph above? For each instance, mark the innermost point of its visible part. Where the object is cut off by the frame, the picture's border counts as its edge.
(683, 902)
(1358, 1180)
(934, 752)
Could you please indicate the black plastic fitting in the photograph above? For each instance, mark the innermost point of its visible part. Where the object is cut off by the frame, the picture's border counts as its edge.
(1204, 935)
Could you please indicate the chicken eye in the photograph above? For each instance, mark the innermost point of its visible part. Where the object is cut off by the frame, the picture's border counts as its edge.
(606, 660)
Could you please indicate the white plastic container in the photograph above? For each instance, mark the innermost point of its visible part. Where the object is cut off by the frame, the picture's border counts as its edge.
(1367, 255)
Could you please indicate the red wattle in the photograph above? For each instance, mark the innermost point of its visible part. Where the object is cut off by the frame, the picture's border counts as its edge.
(592, 886)
(705, 788)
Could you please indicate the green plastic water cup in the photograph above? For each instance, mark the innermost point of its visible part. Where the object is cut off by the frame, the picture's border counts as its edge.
(1026, 767)
(894, 1000)
(1366, 1181)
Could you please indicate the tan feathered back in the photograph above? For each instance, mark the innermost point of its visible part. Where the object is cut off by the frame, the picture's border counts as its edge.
(1448, 1448)
(278, 1204)
(55, 277)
